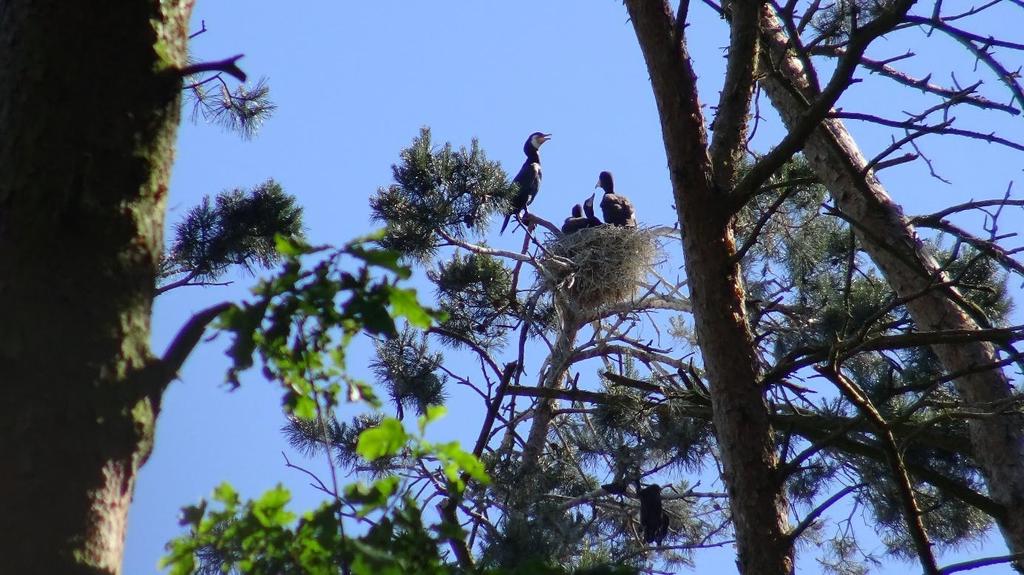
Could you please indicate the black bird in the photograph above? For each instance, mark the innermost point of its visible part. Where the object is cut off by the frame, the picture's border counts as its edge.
(528, 178)
(576, 221)
(652, 515)
(617, 209)
(588, 209)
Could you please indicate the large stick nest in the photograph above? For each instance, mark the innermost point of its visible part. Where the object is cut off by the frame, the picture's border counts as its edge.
(607, 264)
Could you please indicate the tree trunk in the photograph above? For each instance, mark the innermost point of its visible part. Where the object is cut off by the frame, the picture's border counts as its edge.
(89, 106)
(740, 415)
(912, 272)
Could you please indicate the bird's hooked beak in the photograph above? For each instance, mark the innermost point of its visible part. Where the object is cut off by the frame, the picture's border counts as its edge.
(597, 185)
(543, 138)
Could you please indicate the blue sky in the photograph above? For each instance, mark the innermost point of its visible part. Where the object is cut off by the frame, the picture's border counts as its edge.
(354, 82)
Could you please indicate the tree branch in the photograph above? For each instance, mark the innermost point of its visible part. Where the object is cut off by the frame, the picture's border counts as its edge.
(989, 248)
(730, 124)
(817, 511)
(911, 510)
(983, 562)
(816, 111)
(883, 68)
(187, 338)
(228, 65)
(942, 128)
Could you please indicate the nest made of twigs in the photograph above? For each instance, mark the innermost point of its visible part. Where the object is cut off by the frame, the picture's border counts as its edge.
(599, 266)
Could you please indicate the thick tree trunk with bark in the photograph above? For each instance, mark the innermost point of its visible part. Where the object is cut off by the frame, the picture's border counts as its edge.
(890, 240)
(705, 213)
(89, 106)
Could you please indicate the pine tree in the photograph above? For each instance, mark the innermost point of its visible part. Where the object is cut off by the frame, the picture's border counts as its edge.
(630, 417)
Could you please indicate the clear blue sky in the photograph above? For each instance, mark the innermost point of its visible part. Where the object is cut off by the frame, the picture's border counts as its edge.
(355, 81)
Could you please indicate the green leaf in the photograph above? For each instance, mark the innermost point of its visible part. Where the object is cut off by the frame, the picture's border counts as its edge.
(404, 303)
(226, 494)
(434, 412)
(270, 511)
(372, 497)
(301, 406)
(386, 439)
(291, 246)
(463, 460)
(387, 259)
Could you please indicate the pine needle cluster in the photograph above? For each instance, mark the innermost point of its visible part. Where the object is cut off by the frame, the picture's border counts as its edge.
(438, 192)
(236, 228)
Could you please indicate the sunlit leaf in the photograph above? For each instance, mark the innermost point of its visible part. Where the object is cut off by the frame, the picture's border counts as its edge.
(386, 439)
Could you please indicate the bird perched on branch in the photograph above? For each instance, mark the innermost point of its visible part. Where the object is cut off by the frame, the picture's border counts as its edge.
(528, 178)
(576, 221)
(588, 209)
(617, 209)
(652, 514)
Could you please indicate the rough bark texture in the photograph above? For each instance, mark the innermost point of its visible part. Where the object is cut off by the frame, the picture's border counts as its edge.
(740, 414)
(89, 105)
(890, 240)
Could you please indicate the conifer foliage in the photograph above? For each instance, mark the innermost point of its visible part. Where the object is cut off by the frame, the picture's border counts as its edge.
(808, 392)
(235, 228)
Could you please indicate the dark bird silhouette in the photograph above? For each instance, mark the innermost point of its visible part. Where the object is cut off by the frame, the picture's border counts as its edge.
(617, 209)
(528, 178)
(588, 209)
(576, 221)
(652, 515)
(616, 487)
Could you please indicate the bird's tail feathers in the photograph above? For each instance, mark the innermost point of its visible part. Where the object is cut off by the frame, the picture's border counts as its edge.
(505, 224)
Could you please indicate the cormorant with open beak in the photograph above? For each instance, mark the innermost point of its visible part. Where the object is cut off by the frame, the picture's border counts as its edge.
(617, 209)
(576, 221)
(528, 178)
(588, 209)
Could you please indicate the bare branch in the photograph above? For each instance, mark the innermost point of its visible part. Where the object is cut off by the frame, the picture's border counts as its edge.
(817, 511)
(983, 562)
(969, 40)
(882, 67)
(187, 338)
(989, 248)
(228, 65)
(818, 110)
(934, 129)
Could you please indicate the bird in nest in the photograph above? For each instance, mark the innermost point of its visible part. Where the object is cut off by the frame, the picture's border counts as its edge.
(588, 211)
(528, 178)
(616, 209)
(576, 221)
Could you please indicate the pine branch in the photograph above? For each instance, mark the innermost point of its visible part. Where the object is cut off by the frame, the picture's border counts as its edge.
(817, 511)
(228, 65)
(478, 249)
(317, 483)
(911, 510)
(949, 486)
